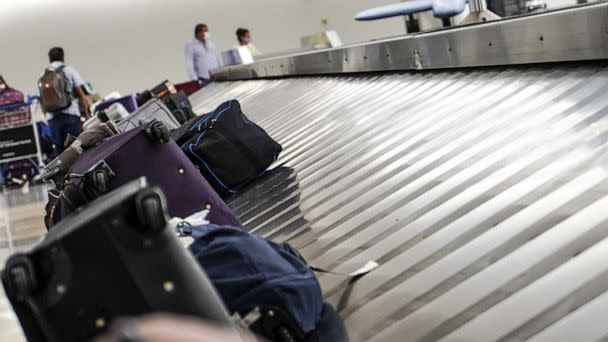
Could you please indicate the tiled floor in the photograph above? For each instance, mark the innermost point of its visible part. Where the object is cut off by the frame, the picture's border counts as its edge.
(21, 226)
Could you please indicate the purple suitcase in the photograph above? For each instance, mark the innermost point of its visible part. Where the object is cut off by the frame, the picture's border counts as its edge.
(133, 154)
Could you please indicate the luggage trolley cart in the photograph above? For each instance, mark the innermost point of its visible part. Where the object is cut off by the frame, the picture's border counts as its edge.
(20, 153)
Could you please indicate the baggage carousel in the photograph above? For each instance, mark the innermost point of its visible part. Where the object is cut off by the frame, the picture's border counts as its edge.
(470, 163)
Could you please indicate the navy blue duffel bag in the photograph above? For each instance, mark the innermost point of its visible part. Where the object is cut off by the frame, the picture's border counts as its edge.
(252, 273)
(230, 150)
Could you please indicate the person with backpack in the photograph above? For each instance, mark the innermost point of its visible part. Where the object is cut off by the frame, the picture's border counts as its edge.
(61, 92)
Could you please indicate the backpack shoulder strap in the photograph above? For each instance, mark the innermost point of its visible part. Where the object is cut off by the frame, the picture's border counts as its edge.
(47, 71)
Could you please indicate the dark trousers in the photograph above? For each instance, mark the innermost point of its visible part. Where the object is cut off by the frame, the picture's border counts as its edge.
(60, 126)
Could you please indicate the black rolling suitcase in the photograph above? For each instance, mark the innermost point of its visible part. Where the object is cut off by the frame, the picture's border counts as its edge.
(115, 258)
(176, 100)
(180, 106)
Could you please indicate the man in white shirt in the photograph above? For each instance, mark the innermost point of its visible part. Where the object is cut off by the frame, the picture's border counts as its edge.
(66, 121)
(201, 55)
(244, 37)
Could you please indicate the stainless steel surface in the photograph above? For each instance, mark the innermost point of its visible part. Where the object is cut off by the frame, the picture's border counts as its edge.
(476, 5)
(579, 33)
(482, 194)
(479, 15)
(236, 56)
(321, 40)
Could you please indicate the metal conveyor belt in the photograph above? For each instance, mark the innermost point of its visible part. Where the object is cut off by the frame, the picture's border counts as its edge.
(483, 194)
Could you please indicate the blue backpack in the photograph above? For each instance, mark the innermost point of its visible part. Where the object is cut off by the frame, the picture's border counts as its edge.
(252, 273)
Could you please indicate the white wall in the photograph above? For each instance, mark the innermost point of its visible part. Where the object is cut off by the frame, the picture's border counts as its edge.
(130, 45)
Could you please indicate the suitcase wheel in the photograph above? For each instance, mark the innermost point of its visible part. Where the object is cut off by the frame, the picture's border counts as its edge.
(21, 277)
(157, 132)
(150, 211)
(100, 180)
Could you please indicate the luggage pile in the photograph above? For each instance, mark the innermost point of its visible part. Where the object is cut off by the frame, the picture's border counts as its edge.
(119, 158)
(125, 194)
(15, 114)
(127, 108)
(112, 109)
(23, 142)
(176, 100)
(118, 257)
(114, 258)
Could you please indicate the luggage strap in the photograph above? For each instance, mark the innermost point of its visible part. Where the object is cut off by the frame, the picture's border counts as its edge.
(351, 280)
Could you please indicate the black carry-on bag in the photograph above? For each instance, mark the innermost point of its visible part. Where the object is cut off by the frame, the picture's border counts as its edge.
(230, 150)
(115, 258)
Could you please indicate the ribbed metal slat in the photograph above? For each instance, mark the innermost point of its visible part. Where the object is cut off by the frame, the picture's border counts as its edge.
(482, 194)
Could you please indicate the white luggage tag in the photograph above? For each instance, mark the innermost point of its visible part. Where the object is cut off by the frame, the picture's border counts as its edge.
(370, 266)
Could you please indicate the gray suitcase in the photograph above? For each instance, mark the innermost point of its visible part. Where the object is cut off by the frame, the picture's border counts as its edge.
(116, 112)
(151, 110)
